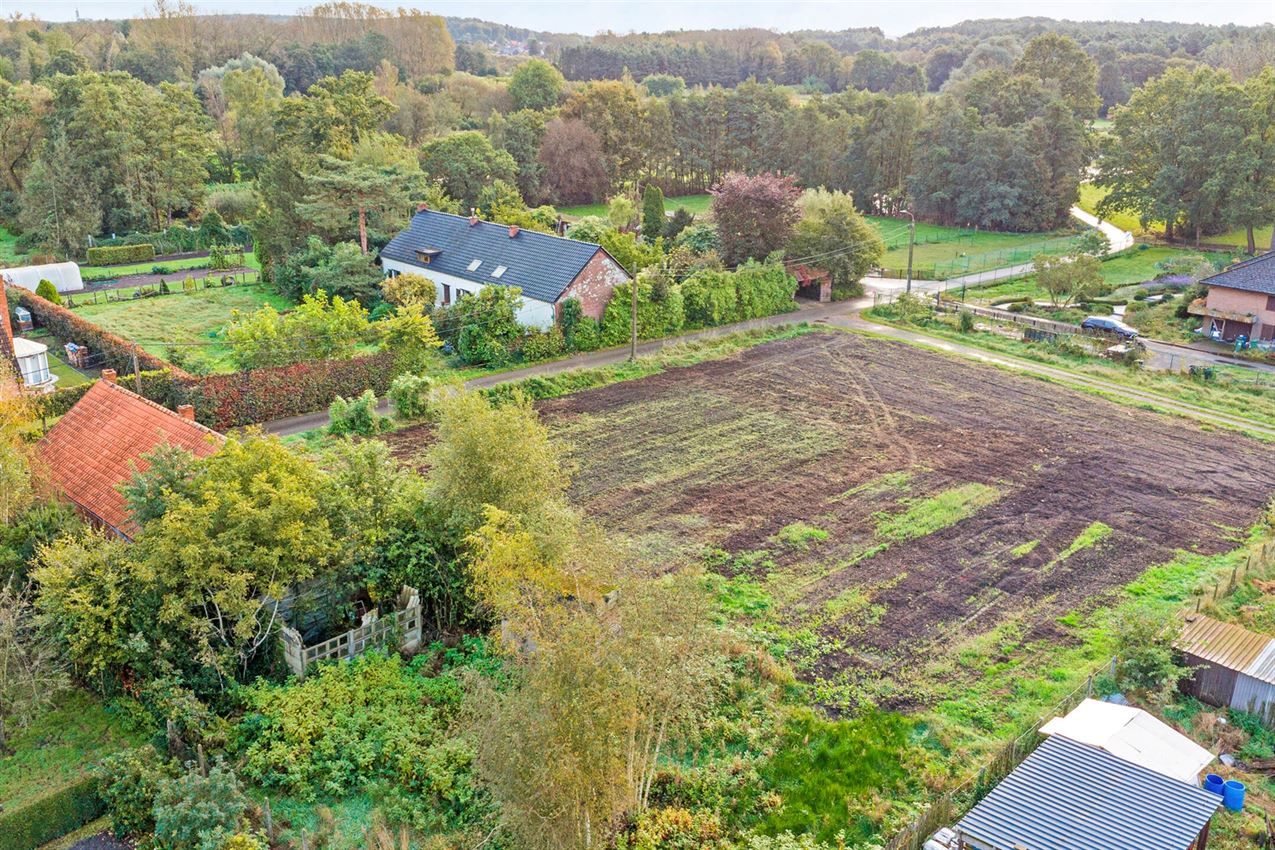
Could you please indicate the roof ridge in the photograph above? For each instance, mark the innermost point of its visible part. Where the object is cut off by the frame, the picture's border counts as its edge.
(521, 230)
(114, 387)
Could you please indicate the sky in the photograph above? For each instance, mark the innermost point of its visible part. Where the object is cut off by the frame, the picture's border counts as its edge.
(895, 17)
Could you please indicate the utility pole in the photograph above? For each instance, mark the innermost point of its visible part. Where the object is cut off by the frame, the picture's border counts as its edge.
(911, 245)
(137, 372)
(633, 286)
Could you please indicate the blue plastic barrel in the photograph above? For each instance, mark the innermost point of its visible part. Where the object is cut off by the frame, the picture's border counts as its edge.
(1214, 784)
(1233, 795)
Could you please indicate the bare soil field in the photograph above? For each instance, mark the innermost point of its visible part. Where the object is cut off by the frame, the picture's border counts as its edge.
(892, 504)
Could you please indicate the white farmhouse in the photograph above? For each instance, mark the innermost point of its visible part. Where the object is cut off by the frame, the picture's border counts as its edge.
(462, 255)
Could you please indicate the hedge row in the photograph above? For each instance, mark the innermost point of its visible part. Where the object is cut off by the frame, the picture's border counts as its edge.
(109, 255)
(51, 815)
(116, 351)
(260, 395)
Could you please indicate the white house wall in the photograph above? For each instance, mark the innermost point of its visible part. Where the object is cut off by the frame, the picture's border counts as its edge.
(533, 313)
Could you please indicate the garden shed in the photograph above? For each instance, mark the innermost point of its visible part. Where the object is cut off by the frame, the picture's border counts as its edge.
(1231, 666)
(1133, 735)
(65, 277)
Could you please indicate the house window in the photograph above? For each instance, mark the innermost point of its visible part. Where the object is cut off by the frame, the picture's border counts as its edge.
(473, 267)
(447, 294)
(498, 271)
(1270, 302)
(391, 273)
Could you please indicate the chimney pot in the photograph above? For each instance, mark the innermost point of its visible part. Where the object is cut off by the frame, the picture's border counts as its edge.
(422, 207)
(186, 411)
(513, 230)
(473, 219)
(108, 375)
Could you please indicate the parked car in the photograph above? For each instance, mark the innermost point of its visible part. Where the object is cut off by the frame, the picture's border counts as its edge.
(1109, 325)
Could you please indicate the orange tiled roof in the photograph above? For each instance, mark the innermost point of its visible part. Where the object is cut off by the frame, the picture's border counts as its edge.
(100, 442)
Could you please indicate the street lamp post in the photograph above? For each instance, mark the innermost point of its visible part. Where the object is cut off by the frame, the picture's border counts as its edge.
(911, 244)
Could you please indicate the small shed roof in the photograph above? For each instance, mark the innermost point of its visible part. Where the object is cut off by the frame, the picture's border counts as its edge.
(1133, 735)
(1070, 796)
(1225, 644)
(1263, 666)
(101, 441)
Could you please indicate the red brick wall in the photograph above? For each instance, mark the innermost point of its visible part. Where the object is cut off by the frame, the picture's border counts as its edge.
(594, 284)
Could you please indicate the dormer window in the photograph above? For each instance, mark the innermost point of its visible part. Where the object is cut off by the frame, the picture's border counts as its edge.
(473, 266)
(499, 270)
(426, 255)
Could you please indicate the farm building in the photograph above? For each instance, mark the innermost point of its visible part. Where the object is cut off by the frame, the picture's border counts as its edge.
(65, 277)
(1067, 795)
(1231, 666)
(1241, 300)
(103, 440)
(1133, 735)
(462, 255)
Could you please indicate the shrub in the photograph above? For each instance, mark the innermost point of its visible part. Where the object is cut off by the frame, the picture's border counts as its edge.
(410, 395)
(129, 782)
(355, 416)
(46, 290)
(570, 312)
(965, 321)
(110, 255)
(234, 204)
(544, 345)
(588, 335)
(197, 812)
(655, 318)
(222, 257)
(51, 815)
(372, 719)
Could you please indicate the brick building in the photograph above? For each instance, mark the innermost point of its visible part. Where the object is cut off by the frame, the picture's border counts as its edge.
(1241, 300)
(462, 255)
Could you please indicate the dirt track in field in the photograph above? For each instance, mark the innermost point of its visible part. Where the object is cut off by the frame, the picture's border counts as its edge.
(840, 431)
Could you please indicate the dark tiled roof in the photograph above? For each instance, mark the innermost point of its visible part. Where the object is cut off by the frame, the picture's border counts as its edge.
(1070, 796)
(542, 266)
(1256, 274)
(100, 442)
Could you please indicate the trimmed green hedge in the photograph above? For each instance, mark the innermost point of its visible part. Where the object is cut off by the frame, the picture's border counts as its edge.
(51, 815)
(110, 255)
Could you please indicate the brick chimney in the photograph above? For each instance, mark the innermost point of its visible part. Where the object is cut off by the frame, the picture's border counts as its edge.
(422, 208)
(186, 411)
(108, 375)
(473, 217)
(513, 230)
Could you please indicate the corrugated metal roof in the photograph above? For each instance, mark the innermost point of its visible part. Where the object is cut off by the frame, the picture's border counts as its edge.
(1224, 644)
(1133, 735)
(1069, 796)
(542, 266)
(1263, 666)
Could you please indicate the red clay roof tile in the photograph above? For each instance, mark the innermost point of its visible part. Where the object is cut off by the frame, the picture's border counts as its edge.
(99, 443)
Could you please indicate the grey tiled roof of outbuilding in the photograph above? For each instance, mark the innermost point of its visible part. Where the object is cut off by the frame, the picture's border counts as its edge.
(542, 266)
(1256, 274)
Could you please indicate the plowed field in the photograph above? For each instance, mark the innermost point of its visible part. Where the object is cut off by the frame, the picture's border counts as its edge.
(892, 505)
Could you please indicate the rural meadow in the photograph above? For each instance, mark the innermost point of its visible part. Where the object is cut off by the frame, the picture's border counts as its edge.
(635, 427)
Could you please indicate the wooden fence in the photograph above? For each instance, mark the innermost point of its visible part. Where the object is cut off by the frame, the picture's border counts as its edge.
(1257, 563)
(403, 625)
(948, 807)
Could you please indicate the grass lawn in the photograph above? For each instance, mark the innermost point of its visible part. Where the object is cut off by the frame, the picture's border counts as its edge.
(186, 317)
(90, 273)
(956, 250)
(1090, 195)
(697, 204)
(9, 255)
(1128, 267)
(60, 745)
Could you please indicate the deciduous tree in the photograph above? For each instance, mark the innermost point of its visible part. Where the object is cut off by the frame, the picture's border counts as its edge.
(754, 214)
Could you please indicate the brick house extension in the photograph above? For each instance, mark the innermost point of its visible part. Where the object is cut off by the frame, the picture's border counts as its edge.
(1241, 300)
(103, 439)
(462, 255)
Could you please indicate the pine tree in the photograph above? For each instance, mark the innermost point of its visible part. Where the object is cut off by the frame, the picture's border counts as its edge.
(652, 213)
